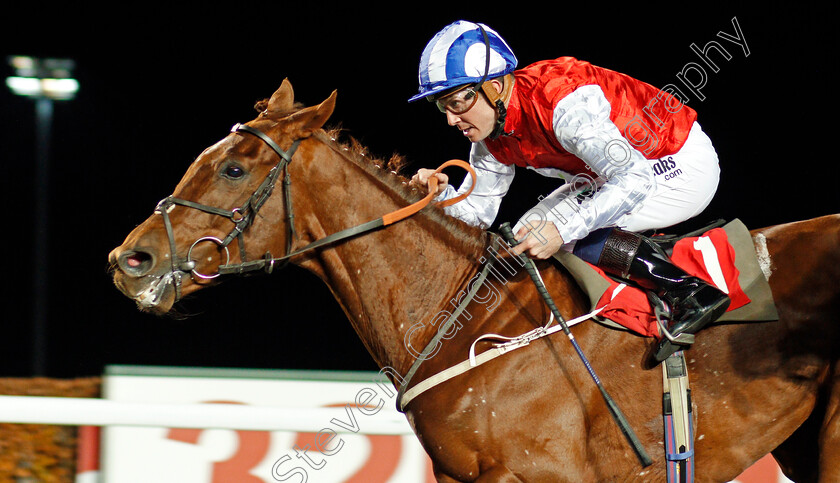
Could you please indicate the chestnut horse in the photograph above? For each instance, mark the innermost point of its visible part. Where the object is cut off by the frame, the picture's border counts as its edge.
(533, 414)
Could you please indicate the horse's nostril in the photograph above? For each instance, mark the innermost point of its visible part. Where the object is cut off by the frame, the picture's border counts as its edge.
(136, 263)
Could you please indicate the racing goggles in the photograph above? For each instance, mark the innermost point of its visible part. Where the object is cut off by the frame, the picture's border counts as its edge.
(459, 101)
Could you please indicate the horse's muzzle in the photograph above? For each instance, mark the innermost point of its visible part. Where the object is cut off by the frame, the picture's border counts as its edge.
(138, 275)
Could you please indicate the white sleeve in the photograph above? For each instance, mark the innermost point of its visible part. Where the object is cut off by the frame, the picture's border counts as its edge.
(493, 180)
(583, 127)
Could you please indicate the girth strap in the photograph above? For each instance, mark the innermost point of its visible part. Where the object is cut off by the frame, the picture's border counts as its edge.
(499, 349)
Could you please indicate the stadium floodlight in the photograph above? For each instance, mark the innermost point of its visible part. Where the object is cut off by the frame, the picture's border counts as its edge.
(42, 78)
(44, 81)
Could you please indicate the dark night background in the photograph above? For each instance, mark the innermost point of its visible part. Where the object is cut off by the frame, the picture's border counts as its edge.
(159, 85)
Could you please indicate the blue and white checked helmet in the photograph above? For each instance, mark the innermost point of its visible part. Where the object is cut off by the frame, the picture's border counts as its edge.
(457, 55)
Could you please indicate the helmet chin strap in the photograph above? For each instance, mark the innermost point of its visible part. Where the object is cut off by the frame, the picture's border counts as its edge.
(498, 100)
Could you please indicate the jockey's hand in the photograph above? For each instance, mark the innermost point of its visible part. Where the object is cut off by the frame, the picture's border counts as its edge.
(421, 179)
(541, 243)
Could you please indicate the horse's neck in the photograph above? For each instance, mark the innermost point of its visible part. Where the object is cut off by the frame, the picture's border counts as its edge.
(389, 280)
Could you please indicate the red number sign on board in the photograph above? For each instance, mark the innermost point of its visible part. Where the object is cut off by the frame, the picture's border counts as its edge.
(253, 447)
(250, 451)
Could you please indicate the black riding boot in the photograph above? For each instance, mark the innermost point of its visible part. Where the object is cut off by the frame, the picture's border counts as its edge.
(693, 302)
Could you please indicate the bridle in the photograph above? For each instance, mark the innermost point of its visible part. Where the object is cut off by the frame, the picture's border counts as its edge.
(243, 216)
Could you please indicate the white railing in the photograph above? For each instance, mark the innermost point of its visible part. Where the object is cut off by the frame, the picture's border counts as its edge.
(103, 412)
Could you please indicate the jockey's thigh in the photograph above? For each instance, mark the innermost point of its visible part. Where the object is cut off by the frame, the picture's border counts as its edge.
(686, 182)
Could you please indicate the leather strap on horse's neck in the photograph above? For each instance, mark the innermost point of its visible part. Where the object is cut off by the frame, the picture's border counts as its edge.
(444, 328)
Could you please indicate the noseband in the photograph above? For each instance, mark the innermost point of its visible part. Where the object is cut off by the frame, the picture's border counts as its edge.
(244, 216)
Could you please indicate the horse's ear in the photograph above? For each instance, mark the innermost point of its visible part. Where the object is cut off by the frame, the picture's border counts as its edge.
(283, 100)
(313, 118)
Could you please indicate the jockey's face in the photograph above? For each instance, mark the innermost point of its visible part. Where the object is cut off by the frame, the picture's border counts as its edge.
(477, 122)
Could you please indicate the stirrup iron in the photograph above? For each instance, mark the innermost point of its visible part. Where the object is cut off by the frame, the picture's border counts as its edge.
(663, 313)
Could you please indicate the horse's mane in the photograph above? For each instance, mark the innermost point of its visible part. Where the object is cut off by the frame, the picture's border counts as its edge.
(390, 173)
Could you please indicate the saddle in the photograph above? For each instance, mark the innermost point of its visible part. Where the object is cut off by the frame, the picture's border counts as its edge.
(756, 304)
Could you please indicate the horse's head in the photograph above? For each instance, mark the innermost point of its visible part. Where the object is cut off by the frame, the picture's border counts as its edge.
(219, 208)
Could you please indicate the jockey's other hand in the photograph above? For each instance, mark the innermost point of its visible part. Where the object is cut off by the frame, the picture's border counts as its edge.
(421, 179)
(540, 242)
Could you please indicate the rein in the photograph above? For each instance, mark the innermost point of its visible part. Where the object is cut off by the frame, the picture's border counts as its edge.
(267, 263)
(243, 216)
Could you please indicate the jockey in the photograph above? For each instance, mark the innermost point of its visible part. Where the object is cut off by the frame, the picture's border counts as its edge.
(633, 158)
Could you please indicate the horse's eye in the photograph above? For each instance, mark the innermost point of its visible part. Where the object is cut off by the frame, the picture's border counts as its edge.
(233, 171)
